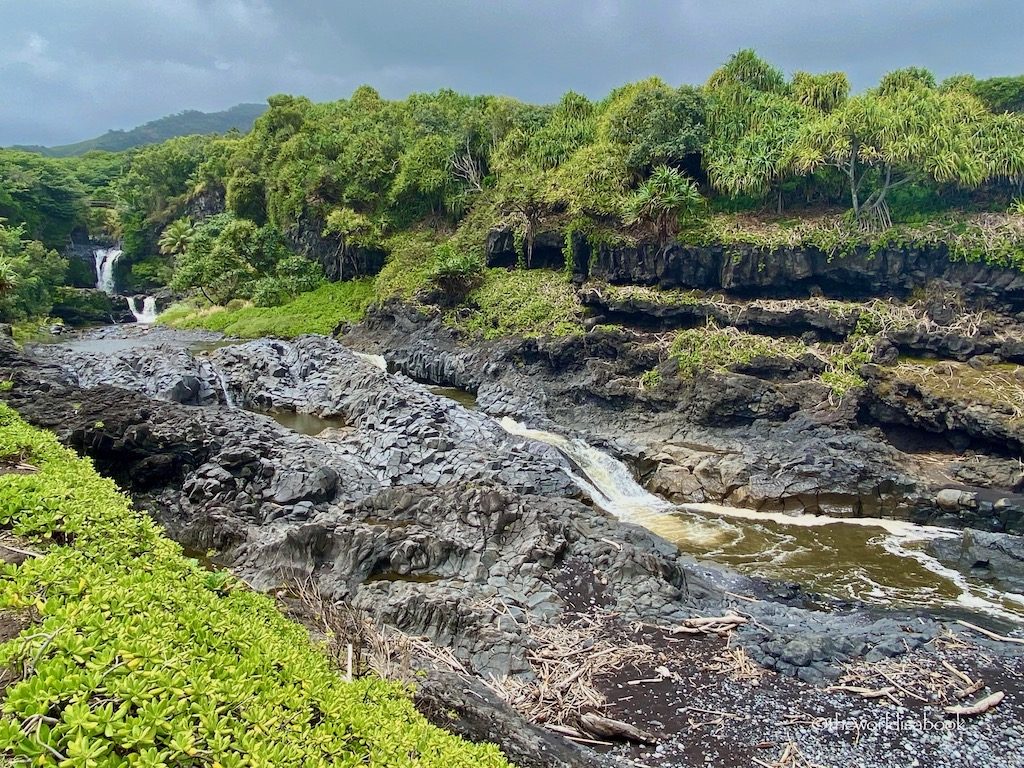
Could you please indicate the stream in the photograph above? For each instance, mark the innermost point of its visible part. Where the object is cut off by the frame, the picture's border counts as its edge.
(879, 562)
(872, 560)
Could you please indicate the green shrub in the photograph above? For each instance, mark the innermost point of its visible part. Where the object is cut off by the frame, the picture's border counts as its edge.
(454, 273)
(411, 257)
(536, 302)
(717, 349)
(141, 657)
(319, 311)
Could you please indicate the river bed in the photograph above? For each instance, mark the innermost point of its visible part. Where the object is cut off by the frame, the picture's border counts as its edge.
(877, 562)
(874, 561)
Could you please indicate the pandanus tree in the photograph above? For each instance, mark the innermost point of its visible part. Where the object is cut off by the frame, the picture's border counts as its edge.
(8, 277)
(887, 137)
(663, 200)
(753, 124)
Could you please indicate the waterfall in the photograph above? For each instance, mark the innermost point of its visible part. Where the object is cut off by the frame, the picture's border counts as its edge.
(375, 360)
(606, 479)
(229, 399)
(222, 382)
(105, 259)
(147, 316)
(610, 485)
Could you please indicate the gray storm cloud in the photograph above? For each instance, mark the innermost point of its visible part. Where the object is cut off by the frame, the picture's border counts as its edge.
(70, 69)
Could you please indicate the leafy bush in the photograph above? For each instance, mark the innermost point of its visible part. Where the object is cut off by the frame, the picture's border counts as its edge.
(141, 657)
(535, 302)
(319, 311)
(29, 275)
(454, 273)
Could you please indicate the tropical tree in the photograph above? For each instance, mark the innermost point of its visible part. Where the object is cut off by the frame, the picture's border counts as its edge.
(175, 237)
(753, 125)
(654, 124)
(30, 273)
(354, 230)
(665, 198)
(8, 277)
(888, 137)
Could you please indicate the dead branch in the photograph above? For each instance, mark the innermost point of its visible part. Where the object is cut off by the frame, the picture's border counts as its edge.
(989, 634)
(978, 708)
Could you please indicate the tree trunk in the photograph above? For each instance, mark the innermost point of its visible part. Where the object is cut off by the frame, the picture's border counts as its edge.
(854, 183)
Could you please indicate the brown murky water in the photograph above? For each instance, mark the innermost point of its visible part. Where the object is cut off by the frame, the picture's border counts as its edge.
(879, 562)
(305, 423)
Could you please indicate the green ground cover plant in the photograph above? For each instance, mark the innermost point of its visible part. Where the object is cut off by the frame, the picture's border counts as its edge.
(140, 657)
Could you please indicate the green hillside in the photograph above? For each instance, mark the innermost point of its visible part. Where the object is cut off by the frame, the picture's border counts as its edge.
(191, 121)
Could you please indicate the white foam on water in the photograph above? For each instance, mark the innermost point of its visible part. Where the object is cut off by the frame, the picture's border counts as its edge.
(375, 360)
(146, 315)
(609, 483)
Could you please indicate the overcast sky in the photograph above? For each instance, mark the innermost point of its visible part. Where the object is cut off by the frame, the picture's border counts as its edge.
(71, 69)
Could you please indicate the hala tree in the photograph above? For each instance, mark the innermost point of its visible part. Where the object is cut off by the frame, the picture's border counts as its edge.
(665, 198)
(753, 125)
(904, 129)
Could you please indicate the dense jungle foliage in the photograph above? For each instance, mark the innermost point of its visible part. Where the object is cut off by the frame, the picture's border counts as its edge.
(423, 180)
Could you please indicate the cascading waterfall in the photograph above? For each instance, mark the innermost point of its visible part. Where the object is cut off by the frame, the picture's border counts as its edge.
(147, 315)
(710, 530)
(218, 375)
(374, 360)
(106, 259)
(608, 481)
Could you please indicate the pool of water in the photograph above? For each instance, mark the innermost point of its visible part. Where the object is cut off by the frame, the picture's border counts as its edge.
(460, 396)
(305, 423)
(111, 339)
(874, 561)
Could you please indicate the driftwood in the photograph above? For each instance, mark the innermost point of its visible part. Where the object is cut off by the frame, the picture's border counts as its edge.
(923, 677)
(866, 693)
(989, 634)
(978, 708)
(563, 696)
(791, 757)
(615, 729)
(714, 625)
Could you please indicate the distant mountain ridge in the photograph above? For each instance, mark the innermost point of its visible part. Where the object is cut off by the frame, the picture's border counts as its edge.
(191, 121)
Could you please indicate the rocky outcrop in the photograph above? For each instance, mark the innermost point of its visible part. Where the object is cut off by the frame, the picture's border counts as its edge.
(209, 201)
(724, 438)
(548, 250)
(994, 557)
(803, 271)
(339, 260)
(454, 556)
(756, 316)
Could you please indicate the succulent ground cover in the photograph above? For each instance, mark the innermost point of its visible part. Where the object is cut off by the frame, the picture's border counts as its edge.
(132, 654)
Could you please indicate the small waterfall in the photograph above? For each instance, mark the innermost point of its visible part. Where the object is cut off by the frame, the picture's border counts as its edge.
(229, 399)
(106, 259)
(210, 371)
(147, 315)
(375, 360)
(607, 480)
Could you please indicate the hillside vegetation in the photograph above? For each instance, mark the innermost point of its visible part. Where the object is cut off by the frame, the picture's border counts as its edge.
(190, 121)
(336, 189)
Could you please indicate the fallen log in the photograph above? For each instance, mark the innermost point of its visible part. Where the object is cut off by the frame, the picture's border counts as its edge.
(989, 634)
(867, 693)
(604, 727)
